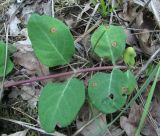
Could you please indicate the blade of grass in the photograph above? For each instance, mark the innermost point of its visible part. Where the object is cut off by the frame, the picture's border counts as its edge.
(148, 103)
(103, 8)
(5, 65)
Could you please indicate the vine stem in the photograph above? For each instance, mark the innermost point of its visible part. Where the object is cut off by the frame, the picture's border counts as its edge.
(62, 75)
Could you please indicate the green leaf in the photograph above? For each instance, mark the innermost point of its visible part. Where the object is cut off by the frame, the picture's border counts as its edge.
(51, 40)
(2, 60)
(106, 91)
(109, 42)
(59, 103)
(129, 56)
(130, 82)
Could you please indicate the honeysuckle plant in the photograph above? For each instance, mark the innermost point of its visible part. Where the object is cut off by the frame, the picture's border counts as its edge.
(53, 44)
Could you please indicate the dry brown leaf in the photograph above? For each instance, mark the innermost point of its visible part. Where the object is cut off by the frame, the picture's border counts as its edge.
(30, 62)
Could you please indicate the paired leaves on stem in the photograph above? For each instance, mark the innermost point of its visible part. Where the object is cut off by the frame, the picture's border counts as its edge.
(53, 44)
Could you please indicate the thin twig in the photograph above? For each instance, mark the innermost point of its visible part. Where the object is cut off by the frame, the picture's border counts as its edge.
(89, 30)
(111, 17)
(63, 75)
(52, 7)
(94, 11)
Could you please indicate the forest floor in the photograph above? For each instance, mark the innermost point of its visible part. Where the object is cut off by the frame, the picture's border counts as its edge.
(140, 20)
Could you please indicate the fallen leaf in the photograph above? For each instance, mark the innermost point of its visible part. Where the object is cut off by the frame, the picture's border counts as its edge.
(30, 62)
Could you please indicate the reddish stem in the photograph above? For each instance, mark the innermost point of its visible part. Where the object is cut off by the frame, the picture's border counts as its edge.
(62, 75)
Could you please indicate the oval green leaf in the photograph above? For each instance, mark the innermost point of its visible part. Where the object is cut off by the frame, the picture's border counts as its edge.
(51, 40)
(109, 42)
(106, 91)
(2, 60)
(59, 103)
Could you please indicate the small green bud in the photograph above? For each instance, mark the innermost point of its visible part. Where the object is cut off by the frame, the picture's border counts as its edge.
(129, 56)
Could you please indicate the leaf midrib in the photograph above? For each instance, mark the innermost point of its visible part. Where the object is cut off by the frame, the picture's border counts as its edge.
(51, 43)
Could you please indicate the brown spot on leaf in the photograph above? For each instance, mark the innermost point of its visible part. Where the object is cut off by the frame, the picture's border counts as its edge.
(53, 29)
(114, 44)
